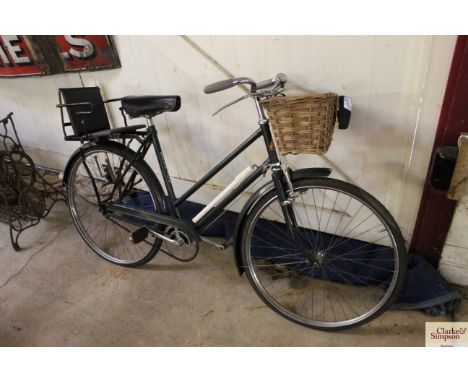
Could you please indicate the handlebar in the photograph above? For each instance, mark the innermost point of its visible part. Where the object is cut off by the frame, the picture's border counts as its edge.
(226, 84)
(279, 80)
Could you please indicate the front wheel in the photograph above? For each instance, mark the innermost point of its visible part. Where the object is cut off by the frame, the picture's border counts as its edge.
(342, 264)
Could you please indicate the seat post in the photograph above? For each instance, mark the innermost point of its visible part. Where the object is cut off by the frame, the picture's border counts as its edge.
(149, 120)
(162, 164)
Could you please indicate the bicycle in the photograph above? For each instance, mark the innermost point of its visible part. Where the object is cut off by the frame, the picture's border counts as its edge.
(296, 238)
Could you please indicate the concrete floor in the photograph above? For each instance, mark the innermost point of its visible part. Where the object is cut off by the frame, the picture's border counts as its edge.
(56, 292)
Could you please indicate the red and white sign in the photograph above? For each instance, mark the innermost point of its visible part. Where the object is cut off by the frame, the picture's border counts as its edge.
(16, 58)
(86, 52)
(42, 55)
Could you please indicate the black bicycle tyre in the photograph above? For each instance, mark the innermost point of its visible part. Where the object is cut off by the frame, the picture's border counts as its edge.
(146, 174)
(361, 195)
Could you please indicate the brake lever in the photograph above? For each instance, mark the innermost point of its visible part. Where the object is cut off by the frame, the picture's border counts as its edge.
(263, 93)
(232, 103)
(272, 92)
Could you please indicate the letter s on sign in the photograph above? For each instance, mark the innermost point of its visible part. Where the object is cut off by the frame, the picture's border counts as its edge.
(88, 47)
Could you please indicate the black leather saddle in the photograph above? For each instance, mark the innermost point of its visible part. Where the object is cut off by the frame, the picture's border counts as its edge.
(139, 106)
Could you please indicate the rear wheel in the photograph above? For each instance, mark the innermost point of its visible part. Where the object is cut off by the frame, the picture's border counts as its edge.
(345, 269)
(108, 236)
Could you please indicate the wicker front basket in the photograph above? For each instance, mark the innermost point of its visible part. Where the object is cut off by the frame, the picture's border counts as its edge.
(303, 124)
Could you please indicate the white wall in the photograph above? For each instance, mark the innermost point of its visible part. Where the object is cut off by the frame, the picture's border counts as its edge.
(454, 259)
(397, 84)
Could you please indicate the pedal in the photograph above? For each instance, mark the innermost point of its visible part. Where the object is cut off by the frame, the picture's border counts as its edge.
(138, 235)
(221, 246)
(227, 243)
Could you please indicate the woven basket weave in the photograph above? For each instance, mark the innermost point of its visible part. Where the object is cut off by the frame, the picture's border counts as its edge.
(303, 124)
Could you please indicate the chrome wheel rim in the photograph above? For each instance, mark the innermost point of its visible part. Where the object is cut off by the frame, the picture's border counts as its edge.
(301, 309)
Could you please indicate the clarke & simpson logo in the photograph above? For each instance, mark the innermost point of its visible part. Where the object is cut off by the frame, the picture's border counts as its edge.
(446, 334)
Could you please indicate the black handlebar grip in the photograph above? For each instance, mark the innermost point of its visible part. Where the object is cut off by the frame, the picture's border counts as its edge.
(218, 86)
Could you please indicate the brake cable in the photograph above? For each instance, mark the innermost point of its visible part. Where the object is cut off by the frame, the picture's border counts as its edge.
(263, 94)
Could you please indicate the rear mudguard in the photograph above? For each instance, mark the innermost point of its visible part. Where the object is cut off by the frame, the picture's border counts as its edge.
(122, 211)
(295, 175)
(77, 152)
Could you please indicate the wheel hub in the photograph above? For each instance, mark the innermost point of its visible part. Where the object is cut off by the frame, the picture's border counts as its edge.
(316, 258)
(320, 257)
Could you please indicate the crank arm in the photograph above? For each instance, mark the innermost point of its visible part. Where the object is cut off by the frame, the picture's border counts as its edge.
(162, 237)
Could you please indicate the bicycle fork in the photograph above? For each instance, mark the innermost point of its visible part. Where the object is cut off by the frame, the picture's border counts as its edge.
(279, 169)
(286, 197)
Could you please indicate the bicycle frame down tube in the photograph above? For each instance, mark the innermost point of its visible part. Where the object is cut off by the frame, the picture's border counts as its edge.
(218, 209)
(228, 159)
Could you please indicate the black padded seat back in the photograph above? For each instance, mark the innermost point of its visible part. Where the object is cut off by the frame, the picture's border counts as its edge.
(94, 115)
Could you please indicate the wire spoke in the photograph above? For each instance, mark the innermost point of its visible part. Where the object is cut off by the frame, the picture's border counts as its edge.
(275, 265)
(358, 262)
(346, 268)
(106, 236)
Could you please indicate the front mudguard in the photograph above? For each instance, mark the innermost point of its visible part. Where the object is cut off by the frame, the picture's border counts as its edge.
(253, 200)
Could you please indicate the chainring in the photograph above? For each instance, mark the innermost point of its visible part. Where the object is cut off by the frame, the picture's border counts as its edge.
(186, 251)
